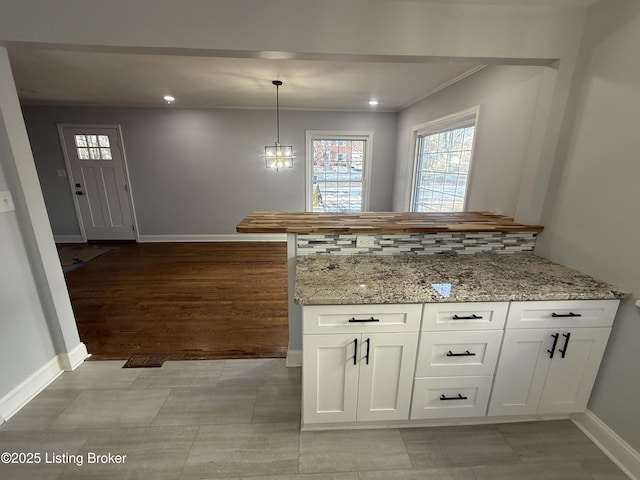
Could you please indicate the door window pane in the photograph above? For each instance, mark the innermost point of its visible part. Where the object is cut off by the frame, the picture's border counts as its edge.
(83, 153)
(81, 141)
(92, 140)
(99, 147)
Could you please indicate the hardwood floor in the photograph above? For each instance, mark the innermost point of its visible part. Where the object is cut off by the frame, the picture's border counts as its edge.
(185, 300)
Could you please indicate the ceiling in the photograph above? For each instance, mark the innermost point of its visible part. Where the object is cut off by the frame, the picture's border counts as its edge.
(97, 78)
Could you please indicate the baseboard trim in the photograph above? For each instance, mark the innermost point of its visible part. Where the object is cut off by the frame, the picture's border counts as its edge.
(239, 237)
(68, 239)
(22, 394)
(436, 422)
(17, 398)
(73, 359)
(294, 358)
(619, 451)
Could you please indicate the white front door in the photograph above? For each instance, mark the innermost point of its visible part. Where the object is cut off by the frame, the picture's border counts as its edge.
(99, 182)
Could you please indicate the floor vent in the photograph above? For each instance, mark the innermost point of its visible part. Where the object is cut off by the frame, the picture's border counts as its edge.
(145, 361)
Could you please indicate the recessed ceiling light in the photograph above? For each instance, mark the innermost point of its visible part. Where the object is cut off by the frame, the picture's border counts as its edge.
(373, 103)
(169, 99)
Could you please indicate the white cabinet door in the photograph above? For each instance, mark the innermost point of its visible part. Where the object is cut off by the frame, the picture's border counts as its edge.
(522, 368)
(386, 375)
(330, 378)
(530, 379)
(570, 379)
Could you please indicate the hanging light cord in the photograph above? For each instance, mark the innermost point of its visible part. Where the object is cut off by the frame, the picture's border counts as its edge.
(277, 83)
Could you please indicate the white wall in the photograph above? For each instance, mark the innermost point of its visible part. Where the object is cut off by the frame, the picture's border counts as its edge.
(201, 171)
(508, 97)
(591, 214)
(25, 340)
(36, 320)
(327, 27)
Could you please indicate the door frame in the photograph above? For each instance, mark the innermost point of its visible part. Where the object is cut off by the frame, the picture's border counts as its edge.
(67, 162)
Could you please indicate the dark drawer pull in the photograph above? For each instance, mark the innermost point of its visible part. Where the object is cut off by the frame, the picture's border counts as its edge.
(563, 351)
(366, 357)
(570, 314)
(361, 320)
(459, 397)
(465, 354)
(355, 351)
(470, 317)
(553, 347)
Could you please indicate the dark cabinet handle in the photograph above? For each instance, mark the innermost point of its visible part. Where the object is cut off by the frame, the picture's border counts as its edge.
(459, 397)
(553, 347)
(79, 193)
(470, 317)
(464, 354)
(561, 315)
(355, 351)
(566, 344)
(361, 320)
(368, 347)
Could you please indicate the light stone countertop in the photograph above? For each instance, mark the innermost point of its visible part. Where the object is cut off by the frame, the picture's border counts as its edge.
(369, 279)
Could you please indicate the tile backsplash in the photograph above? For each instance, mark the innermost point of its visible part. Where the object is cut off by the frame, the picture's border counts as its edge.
(416, 243)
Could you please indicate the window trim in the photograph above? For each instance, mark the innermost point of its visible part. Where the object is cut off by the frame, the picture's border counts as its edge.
(311, 135)
(439, 125)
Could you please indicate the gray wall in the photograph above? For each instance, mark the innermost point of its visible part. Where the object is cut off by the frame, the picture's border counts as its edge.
(508, 97)
(591, 214)
(201, 171)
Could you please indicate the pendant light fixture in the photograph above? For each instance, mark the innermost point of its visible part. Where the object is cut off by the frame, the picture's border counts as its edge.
(278, 156)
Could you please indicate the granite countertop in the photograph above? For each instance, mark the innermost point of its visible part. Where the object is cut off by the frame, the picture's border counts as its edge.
(379, 222)
(362, 279)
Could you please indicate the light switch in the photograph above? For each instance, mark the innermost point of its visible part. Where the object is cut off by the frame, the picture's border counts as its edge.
(6, 202)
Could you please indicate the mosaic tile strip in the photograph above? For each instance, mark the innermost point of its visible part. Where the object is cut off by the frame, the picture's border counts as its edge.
(417, 243)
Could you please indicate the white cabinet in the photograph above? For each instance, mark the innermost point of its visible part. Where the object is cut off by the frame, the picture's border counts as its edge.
(550, 370)
(457, 354)
(367, 363)
(363, 375)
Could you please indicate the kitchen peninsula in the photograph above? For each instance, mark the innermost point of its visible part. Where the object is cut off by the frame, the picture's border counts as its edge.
(382, 234)
(409, 318)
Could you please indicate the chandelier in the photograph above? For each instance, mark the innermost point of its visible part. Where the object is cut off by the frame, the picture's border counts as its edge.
(278, 156)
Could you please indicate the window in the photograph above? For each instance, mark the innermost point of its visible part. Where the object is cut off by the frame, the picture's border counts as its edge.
(337, 171)
(443, 162)
(93, 147)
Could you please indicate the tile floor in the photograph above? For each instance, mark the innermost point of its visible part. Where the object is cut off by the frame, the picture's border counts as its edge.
(240, 419)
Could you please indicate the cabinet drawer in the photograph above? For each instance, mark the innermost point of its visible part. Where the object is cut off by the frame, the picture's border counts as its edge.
(464, 316)
(450, 397)
(458, 353)
(558, 314)
(320, 319)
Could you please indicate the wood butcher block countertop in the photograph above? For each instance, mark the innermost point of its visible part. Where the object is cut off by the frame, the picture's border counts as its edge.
(379, 222)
